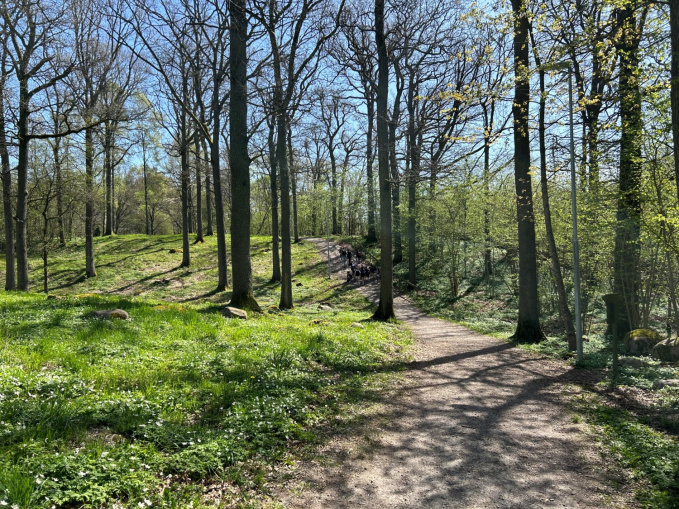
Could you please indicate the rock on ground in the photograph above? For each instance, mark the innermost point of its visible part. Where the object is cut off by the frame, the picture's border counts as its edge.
(112, 314)
(667, 350)
(640, 341)
(231, 312)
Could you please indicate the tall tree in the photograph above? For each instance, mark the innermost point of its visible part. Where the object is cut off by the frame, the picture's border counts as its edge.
(564, 311)
(528, 326)
(96, 52)
(630, 19)
(385, 307)
(239, 159)
(290, 32)
(5, 168)
(33, 48)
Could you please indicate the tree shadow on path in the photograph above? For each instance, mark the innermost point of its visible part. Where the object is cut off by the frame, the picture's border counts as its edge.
(474, 423)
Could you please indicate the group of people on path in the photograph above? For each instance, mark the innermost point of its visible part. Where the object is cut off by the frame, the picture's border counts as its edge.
(355, 260)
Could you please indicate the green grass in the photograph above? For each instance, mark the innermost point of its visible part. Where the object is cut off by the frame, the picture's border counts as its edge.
(156, 410)
(650, 456)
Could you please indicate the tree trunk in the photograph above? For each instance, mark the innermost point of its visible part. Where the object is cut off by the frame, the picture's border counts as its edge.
(628, 228)
(90, 271)
(488, 125)
(22, 188)
(242, 296)
(108, 172)
(276, 273)
(208, 191)
(222, 265)
(10, 274)
(333, 189)
(192, 223)
(396, 184)
(564, 312)
(385, 307)
(199, 190)
(414, 153)
(293, 183)
(146, 184)
(528, 326)
(674, 93)
(286, 259)
(59, 190)
(184, 150)
(372, 235)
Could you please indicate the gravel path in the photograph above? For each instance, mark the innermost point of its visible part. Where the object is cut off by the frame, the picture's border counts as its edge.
(474, 423)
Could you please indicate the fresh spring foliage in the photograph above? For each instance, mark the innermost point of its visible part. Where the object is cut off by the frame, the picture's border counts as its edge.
(153, 410)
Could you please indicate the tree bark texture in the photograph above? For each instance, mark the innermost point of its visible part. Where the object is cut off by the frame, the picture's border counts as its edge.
(222, 265)
(22, 188)
(528, 326)
(286, 255)
(185, 178)
(385, 307)
(674, 91)
(242, 296)
(10, 274)
(275, 248)
(414, 150)
(108, 172)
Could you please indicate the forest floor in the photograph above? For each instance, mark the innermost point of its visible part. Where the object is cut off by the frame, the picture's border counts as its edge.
(473, 422)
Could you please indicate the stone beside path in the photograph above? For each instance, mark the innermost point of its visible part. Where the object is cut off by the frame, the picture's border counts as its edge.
(475, 423)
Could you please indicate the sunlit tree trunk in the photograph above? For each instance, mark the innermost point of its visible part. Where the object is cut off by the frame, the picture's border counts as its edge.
(385, 307)
(276, 273)
(10, 274)
(239, 159)
(528, 326)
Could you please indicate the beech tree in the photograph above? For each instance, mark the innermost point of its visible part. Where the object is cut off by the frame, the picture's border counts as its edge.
(528, 326)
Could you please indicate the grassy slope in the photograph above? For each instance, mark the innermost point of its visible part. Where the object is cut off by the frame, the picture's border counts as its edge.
(178, 406)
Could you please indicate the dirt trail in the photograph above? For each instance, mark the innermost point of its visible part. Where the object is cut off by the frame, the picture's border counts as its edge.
(476, 423)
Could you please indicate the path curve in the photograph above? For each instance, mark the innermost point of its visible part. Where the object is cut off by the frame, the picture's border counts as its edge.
(476, 423)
